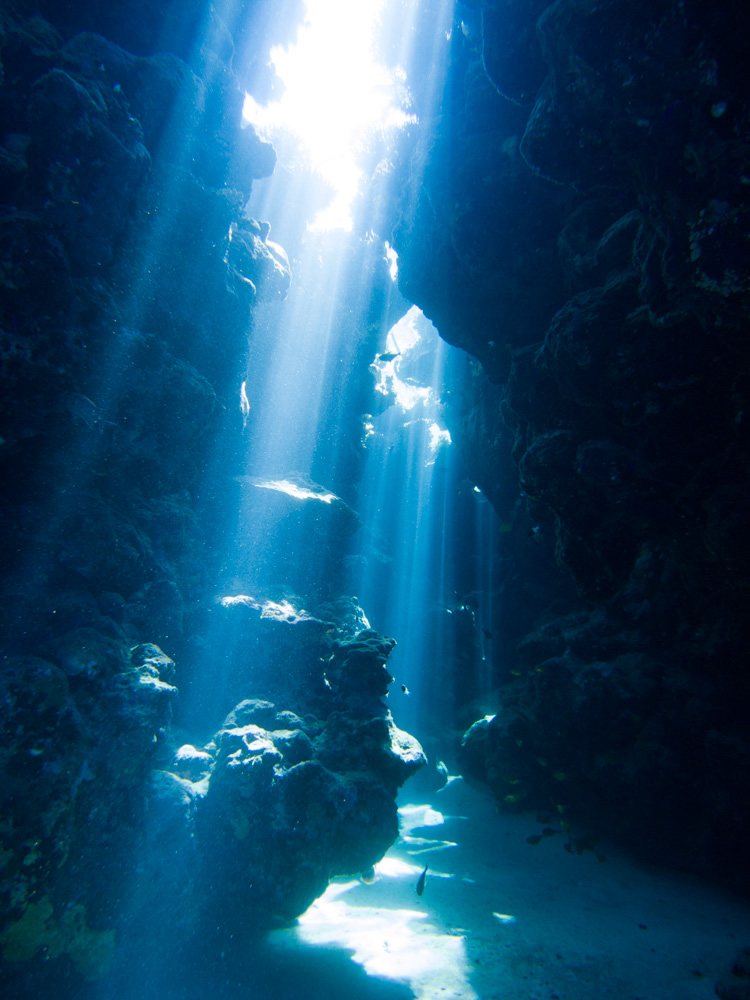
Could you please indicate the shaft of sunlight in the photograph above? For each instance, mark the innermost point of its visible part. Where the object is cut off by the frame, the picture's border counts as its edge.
(336, 96)
(401, 566)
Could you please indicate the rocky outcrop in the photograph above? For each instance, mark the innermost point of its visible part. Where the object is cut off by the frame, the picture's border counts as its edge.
(82, 730)
(115, 840)
(581, 229)
(129, 276)
(292, 802)
(130, 282)
(280, 800)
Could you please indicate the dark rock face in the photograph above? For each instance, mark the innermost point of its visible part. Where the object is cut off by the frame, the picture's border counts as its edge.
(292, 802)
(130, 282)
(280, 800)
(581, 229)
(82, 731)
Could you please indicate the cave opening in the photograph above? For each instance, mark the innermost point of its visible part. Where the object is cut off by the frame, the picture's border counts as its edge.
(345, 387)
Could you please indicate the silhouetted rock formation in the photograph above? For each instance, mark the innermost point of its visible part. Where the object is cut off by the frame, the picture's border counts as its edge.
(580, 227)
(81, 732)
(130, 279)
(280, 800)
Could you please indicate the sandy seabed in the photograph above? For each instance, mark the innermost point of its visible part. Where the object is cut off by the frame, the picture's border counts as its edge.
(500, 919)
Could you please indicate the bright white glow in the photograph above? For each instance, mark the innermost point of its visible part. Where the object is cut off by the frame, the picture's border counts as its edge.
(404, 335)
(411, 342)
(392, 867)
(426, 845)
(408, 395)
(439, 437)
(336, 96)
(233, 599)
(392, 943)
(281, 611)
(412, 817)
(296, 489)
(244, 404)
(392, 257)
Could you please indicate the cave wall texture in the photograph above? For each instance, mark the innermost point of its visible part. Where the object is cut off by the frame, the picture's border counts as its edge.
(132, 289)
(575, 216)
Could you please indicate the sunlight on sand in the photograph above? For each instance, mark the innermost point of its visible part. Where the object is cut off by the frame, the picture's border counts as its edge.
(398, 944)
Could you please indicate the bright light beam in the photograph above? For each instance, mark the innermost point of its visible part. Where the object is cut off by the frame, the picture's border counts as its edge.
(392, 942)
(336, 97)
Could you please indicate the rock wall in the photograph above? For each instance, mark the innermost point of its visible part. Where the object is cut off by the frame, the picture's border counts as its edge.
(576, 217)
(131, 280)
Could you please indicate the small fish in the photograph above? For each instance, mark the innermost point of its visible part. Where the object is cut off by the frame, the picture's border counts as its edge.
(389, 356)
(511, 799)
(404, 688)
(559, 775)
(487, 634)
(534, 840)
(421, 881)
(368, 877)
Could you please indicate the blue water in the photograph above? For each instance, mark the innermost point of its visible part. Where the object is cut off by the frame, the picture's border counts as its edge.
(248, 446)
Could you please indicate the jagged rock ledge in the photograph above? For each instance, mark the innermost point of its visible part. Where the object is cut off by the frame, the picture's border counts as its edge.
(238, 836)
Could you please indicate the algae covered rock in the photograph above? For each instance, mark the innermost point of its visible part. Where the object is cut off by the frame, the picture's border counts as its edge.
(245, 832)
(293, 802)
(80, 733)
(63, 934)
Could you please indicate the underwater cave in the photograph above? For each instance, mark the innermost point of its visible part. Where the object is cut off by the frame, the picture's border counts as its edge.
(375, 475)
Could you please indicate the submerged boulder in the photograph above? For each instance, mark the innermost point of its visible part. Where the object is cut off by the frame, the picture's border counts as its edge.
(239, 835)
(286, 801)
(285, 813)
